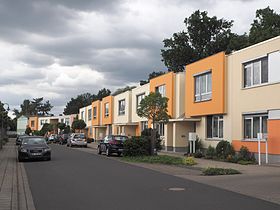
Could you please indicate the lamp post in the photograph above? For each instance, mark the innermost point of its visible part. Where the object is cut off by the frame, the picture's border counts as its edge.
(2, 126)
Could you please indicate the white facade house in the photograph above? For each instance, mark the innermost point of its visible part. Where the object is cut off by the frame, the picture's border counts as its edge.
(22, 122)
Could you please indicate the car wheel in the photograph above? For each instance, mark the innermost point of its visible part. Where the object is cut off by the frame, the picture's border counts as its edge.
(108, 152)
(85, 146)
(71, 145)
(99, 151)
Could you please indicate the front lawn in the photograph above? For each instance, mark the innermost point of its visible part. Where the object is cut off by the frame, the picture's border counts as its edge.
(160, 159)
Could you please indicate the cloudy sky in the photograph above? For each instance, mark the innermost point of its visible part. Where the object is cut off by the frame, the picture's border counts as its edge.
(60, 48)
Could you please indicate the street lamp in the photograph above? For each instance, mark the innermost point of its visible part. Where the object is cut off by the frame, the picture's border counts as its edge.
(2, 126)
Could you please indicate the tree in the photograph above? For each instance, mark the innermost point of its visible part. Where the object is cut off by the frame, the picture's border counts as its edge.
(122, 90)
(154, 108)
(78, 125)
(204, 36)
(35, 107)
(266, 25)
(67, 129)
(103, 93)
(28, 130)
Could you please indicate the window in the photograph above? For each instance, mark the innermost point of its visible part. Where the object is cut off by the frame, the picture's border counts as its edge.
(32, 123)
(82, 115)
(89, 114)
(203, 87)
(106, 110)
(94, 112)
(254, 124)
(90, 131)
(67, 121)
(144, 125)
(62, 120)
(162, 90)
(215, 126)
(41, 122)
(122, 107)
(139, 99)
(160, 129)
(256, 72)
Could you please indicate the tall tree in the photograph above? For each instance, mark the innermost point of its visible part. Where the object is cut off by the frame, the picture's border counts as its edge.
(204, 36)
(35, 107)
(154, 108)
(266, 25)
(103, 93)
(82, 100)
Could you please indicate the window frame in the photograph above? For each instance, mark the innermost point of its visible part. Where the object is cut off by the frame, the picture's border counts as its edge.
(144, 125)
(251, 118)
(106, 109)
(160, 128)
(94, 112)
(142, 95)
(89, 114)
(261, 69)
(158, 90)
(120, 105)
(220, 119)
(198, 94)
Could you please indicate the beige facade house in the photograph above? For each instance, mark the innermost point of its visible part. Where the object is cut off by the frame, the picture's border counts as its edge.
(137, 94)
(122, 123)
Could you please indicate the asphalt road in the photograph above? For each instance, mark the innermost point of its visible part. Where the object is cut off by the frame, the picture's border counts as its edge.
(77, 180)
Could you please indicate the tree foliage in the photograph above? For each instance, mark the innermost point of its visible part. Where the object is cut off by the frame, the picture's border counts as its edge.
(8, 123)
(266, 25)
(78, 125)
(35, 107)
(205, 36)
(85, 99)
(122, 90)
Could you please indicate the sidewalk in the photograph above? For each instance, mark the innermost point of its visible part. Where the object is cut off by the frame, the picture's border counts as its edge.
(15, 193)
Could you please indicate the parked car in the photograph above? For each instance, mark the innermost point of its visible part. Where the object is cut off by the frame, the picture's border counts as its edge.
(77, 139)
(19, 138)
(52, 138)
(112, 144)
(34, 147)
(63, 138)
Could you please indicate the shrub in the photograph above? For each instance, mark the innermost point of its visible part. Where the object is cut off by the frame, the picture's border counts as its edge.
(156, 159)
(245, 154)
(198, 154)
(224, 149)
(189, 161)
(210, 152)
(246, 162)
(136, 146)
(219, 171)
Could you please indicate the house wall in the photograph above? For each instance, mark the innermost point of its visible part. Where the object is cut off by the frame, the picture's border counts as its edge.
(126, 118)
(109, 119)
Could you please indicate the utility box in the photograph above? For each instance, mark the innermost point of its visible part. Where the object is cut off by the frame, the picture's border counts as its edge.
(192, 136)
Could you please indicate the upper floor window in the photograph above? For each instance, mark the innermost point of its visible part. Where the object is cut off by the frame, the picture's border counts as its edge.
(160, 128)
(89, 114)
(256, 72)
(254, 124)
(203, 87)
(82, 115)
(94, 112)
(106, 110)
(122, 107)
(139, 99)
(32, 123)
(215, 126)
(162, 90)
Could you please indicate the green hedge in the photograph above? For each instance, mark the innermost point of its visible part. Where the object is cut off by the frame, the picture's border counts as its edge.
(219, 171)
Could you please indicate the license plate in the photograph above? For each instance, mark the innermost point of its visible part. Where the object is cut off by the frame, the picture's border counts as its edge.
(36, 153)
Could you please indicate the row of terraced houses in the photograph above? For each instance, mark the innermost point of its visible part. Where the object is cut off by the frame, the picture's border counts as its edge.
(222, 97)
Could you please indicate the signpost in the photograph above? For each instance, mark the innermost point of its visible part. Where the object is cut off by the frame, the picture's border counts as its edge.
(192, 139)
(262, 137)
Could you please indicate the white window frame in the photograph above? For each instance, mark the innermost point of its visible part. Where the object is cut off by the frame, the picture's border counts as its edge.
(220, 120)
(197, 94)
(121, 107)
(251, 65)
(160, 128)
(106, 108)
(144, 125)
(251, 118)
(162, 90)
(94, 112)
(139, 98)
(82, 115)
(89, 114)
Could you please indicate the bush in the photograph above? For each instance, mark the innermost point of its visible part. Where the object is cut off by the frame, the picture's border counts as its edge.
(245, 155)
(147, 133)
(189, 161)
(246, 162)
(219, 171)
(224, 149)
(156, 159)
(137, 146)
(198, 154)
(210, 153)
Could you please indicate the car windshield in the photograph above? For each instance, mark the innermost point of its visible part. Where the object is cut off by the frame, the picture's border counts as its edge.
(79, 136)
(34, 141)
(120, 138)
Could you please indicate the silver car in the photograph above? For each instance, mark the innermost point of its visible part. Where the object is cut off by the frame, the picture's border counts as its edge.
(77, 139)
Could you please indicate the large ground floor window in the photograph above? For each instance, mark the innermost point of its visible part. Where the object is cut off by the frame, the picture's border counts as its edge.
(254, 124)
(215, 126)
(160, 129)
